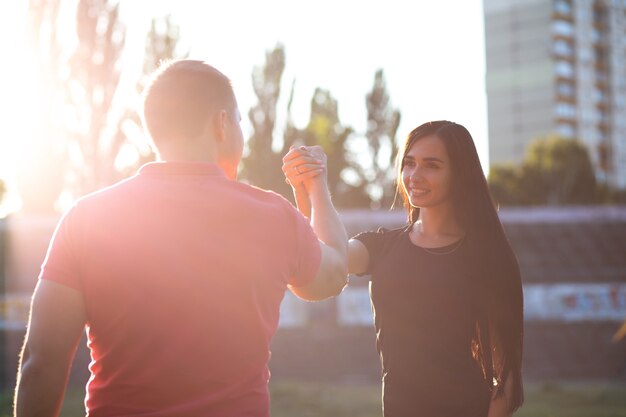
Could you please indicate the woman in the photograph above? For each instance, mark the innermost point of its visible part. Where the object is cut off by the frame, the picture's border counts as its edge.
(445, 289)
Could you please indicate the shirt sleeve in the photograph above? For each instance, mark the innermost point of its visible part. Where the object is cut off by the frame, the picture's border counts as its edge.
(60, 264)
(308, 251)
(374, 242)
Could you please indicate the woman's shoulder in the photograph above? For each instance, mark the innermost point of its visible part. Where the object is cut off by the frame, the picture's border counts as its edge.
(382, 233)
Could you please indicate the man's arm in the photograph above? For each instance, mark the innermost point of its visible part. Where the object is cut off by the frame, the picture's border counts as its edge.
(56, 323)
(332, 275)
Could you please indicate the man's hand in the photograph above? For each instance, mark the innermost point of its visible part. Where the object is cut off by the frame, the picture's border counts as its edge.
(305, 165)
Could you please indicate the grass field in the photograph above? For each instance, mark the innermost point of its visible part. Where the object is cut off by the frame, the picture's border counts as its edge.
(306, 399)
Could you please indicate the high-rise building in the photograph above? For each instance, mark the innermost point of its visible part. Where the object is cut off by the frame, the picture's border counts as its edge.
(558, 67)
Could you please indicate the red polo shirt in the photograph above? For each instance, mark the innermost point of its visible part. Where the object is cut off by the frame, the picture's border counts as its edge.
(182, 272)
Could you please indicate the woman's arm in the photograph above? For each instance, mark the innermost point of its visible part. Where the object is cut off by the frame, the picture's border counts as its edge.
(301, 166)
(358, 257)
(500, 405)
(305, 168)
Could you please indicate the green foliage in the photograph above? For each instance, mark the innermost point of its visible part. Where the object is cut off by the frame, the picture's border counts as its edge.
(555, 171)
(92, 83)
(3, 190)
(565, 170)
(47, 157)
(161, 46)
(78, 108)
(382, 126)
(350, 182)
(325, 129)
(262, 164)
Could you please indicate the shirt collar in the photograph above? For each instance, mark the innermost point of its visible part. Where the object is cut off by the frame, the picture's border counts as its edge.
(182, 168)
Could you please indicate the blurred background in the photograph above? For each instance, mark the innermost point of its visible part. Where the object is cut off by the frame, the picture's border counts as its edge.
(540, 84)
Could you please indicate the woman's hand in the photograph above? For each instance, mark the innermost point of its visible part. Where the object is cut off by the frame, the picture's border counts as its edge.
(303, 166)
(499, 405)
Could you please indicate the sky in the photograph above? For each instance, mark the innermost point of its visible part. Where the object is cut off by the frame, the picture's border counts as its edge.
(431, 52)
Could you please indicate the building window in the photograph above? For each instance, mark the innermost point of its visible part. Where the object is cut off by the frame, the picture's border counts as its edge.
(585, 54)
(598, 36)
(563, 28)
(563, 7)
(599, 95)
(563, 48)
(564, 69)
(603, 117)
(565, 111)
(566, 130)
(565, 89)
(600, 15)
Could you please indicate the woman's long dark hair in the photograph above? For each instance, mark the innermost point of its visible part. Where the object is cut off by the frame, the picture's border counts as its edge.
(498, 288)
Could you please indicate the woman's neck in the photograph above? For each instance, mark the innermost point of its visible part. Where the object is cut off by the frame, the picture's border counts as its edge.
(438, 222)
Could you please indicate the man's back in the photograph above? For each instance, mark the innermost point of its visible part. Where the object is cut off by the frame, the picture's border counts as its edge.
(178, 272)
(182, 272)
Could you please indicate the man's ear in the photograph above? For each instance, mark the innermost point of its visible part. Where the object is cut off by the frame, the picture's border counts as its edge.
(218, 125)
(220, 121)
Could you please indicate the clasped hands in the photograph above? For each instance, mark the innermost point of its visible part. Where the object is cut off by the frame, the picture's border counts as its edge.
(303, 166)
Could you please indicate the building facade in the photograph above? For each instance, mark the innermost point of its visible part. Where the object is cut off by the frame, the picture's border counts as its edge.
(558, 67)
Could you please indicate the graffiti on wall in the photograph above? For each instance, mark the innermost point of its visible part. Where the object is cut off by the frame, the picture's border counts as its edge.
(558, 302)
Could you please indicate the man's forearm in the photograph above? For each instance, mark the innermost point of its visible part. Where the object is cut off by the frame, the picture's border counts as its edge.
(302, 200)
(326, 223)
(40, 388)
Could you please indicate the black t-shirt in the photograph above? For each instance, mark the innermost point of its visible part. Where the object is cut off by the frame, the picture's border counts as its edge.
(425, 318)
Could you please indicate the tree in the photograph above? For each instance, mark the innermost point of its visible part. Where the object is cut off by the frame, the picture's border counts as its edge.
(348, 180)
(262, 163)
(93, 80)
(162, 44)
(565, 169)
(382, 127)
(3, 190)
(326, 130)
(82, 111)
(42, 166)
(555, 171)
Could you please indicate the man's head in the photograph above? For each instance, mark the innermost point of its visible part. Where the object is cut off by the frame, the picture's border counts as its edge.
(189, 106)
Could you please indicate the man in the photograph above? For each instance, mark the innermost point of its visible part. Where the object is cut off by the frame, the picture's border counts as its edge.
(177, 273)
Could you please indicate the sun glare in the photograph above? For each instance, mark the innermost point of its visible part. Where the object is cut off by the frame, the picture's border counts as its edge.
(18, 96)
(26, 154)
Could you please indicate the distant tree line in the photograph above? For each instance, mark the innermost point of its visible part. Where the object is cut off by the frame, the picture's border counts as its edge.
(350, 178)
(84, 127)
(554, 171)
(85, 137)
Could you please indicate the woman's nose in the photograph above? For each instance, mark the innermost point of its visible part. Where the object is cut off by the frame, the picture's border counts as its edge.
(416, 175)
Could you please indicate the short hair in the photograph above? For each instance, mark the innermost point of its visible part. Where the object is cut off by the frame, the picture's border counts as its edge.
(181, 96)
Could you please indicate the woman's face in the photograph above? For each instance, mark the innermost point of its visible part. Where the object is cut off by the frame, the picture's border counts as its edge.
(427, 174)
